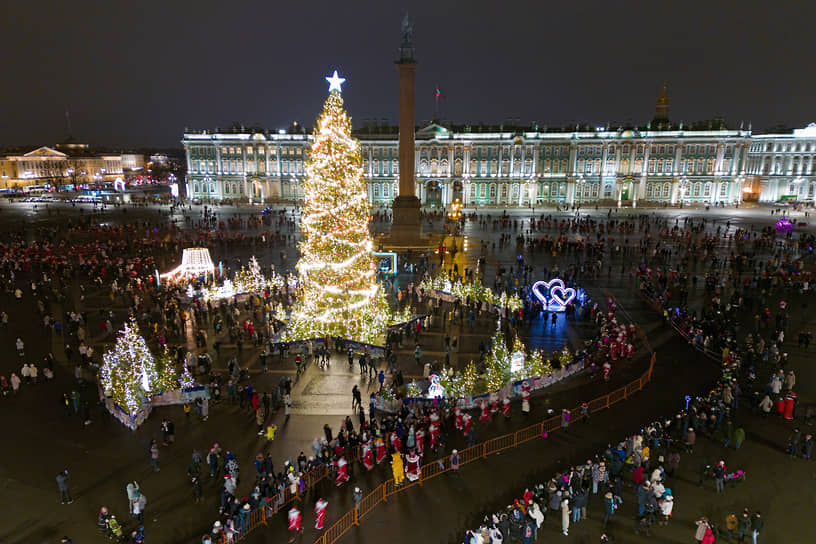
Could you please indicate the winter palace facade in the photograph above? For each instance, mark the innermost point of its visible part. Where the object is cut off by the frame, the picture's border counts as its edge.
(667, 164)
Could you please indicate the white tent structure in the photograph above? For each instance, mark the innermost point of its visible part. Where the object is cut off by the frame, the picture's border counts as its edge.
(195, 261)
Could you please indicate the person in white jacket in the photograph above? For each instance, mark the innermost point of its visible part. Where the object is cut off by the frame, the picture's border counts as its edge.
(666, 506)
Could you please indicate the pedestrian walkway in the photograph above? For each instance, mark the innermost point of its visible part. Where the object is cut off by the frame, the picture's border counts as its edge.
(442, 508)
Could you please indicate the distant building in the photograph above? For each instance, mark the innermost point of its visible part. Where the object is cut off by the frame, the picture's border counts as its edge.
(63, 165)
(782, 166)
(662, 163)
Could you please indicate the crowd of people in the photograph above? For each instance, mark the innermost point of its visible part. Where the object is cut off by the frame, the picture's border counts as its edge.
(111, 266)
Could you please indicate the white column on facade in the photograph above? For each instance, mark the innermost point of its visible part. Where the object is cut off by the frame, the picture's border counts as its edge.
(572, 162)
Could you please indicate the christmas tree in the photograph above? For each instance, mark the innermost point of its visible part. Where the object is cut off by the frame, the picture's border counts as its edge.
(498, 365)
(339, 294)
(250, 279)
(186, 379)
(128, 371)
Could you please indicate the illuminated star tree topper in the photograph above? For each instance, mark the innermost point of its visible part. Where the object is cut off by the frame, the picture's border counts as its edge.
(335, 81)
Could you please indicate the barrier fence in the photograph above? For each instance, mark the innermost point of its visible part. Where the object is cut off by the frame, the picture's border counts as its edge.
(432, 469)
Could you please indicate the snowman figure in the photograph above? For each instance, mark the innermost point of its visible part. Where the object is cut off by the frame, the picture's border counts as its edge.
(435, 390)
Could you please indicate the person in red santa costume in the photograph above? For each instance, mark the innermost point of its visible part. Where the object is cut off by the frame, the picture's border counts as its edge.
(320, 513)
(368, 456)
(295, 526)
(420, 442)
(494, 403)
(380, 448)
(412, 468)
(607, 369)
(525, 398)
(433, 431)
(458, 419)
(342, 472)
(485, 415)
(396, 442)
(630, 350)
(467, 420)
(506, 407)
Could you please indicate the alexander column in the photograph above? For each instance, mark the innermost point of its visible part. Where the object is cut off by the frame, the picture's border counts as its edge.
(406, 227)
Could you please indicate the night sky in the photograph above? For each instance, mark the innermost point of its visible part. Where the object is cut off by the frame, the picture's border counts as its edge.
(138, 73)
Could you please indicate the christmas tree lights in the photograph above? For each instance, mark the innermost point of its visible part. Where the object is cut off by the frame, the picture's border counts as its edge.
(339, 295)
(250, 279)
(128, 371)
(186, 380)
(473, 291)
(565, 357)
(498, 365)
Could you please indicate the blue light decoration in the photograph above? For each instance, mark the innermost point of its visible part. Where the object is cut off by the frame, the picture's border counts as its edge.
(784, 226)
(555, 296)
(386, 262)
(688, 399)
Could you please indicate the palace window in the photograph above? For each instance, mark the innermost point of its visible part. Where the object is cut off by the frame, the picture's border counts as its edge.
(492, 190)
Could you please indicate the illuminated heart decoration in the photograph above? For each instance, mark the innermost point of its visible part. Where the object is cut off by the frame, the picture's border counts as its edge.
(560, 296)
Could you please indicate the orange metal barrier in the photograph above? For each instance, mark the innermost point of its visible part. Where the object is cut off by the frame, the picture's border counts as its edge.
(434, 468)
(335, 531)
(530, 433)
(495, 445)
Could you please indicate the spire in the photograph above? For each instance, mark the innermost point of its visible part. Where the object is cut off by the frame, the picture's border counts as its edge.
(662, 105)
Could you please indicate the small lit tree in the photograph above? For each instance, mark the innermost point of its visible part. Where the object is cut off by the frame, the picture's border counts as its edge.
(249, 279)
(186, 380)
(128, 372)
(498, 364)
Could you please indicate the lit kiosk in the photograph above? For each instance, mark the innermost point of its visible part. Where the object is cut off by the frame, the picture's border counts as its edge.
(195, 262)
(406, 225)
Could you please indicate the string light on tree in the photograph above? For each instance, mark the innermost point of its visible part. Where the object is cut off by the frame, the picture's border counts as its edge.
(128, 371)
(339, 293)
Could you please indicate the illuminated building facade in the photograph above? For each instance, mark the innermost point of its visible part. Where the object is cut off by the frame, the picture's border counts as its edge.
(63, 165)
(662, 163)
(783, 166)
